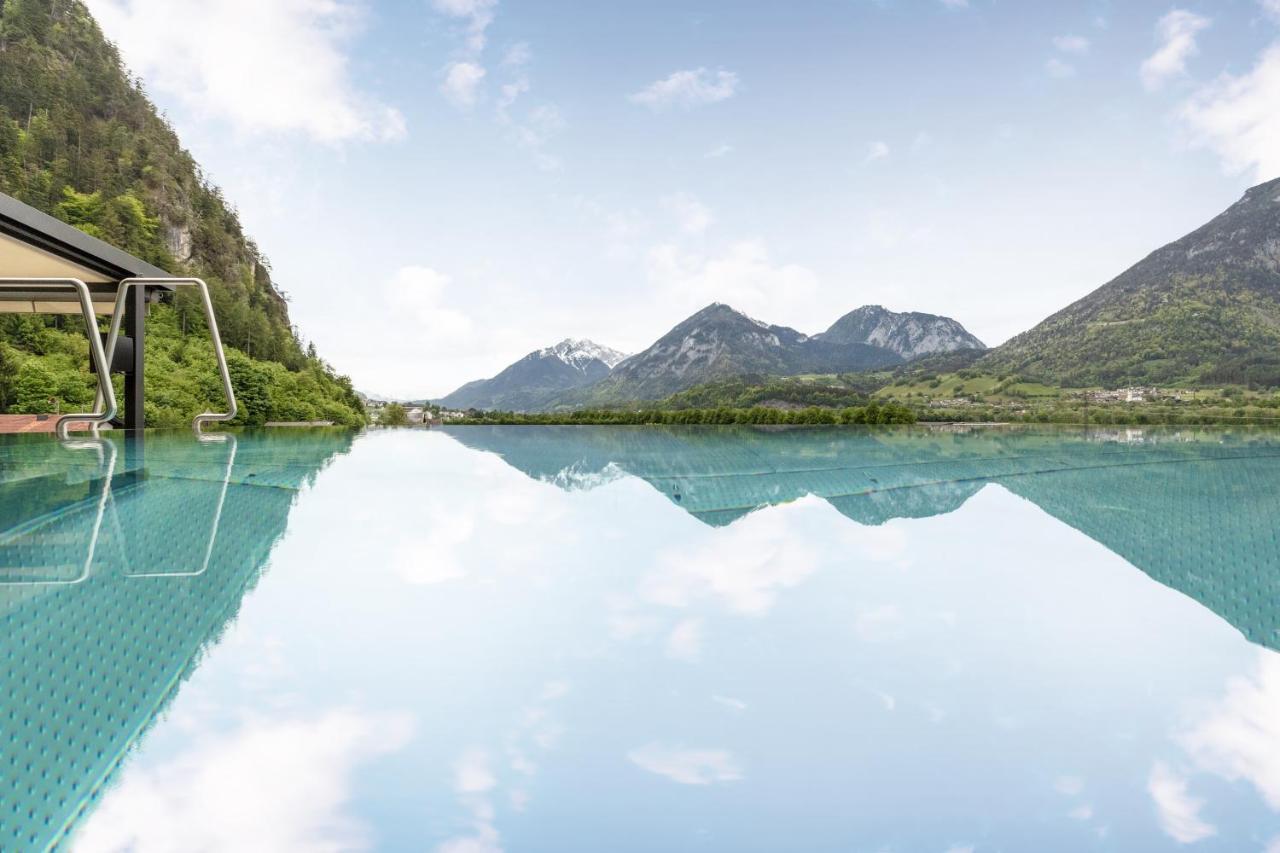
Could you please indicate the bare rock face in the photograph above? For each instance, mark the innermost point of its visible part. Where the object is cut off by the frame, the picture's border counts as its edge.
(177, 239)
(909, 334)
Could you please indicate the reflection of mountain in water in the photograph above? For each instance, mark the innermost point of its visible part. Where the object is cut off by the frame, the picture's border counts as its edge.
(116, 574)
(1195, 511)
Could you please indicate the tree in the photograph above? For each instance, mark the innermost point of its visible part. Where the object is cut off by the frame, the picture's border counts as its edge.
(393, 414)
(8, 375)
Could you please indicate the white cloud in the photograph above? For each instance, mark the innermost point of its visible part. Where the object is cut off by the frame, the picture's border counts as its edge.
(686, 766)
(1177, 810)
(955, 4)
(542, 123)
(693, 216)
(1071, 44)
(1240, 738)
(1068, 786)
(733, 704)
(743, 275)
(476, 14)
(462, 83)
(1058, 69)
(685, 641)
(718, 151)
(877, 150)
(278, 784)
(517, 55)
(1239, 117)
(688, 89)
(418, 293)
(278, 67)
(1271, 7)
(471, 773)
(1177, 33)
(1081, 813)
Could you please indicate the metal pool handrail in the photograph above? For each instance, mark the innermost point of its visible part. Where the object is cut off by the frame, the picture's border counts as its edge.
(106, 392)
(113, 336)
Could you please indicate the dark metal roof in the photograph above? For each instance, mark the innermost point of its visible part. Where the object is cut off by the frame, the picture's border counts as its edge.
(25, 223)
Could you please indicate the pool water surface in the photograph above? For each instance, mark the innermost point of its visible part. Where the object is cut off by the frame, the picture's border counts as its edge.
(639, 639)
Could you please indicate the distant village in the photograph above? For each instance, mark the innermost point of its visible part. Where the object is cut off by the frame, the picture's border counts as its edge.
(416, 414)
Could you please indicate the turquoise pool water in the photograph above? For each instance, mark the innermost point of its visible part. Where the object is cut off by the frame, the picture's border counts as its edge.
(586, 639)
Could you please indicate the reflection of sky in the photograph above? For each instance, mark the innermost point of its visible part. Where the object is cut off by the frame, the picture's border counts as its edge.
(444, 653)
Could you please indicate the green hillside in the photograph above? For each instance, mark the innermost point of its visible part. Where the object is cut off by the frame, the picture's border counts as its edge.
(79, 139)
(1204, 310)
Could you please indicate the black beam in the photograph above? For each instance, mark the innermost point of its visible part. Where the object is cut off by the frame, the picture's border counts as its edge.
(135, 378)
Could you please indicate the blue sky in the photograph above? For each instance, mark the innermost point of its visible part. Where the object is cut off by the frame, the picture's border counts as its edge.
(445, 185)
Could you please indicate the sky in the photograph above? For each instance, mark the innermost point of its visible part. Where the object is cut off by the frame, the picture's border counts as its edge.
(443, 186)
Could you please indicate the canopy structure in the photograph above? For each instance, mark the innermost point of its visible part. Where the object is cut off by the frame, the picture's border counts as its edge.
(35, 246)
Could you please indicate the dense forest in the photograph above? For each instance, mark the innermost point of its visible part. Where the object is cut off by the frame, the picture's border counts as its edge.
(80, 139)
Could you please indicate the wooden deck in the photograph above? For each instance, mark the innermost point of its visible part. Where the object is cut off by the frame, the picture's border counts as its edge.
(27, 423)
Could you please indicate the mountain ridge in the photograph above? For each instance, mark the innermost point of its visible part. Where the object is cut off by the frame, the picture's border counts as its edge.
(1202, 309)
(910, 334)
(720, 342)
(538, 377)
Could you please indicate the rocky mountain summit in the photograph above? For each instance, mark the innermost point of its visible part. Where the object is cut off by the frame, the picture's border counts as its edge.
(909, 334)
(719, 342)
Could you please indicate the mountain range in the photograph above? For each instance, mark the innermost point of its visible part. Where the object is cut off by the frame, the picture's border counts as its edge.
(717, 342)
(1202, 310)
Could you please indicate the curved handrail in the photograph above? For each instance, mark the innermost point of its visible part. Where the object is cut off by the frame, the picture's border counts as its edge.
(106, 391)
(113, 336)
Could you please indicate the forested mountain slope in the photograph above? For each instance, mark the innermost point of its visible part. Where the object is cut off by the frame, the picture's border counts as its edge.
(79, 139)
(1204, 309)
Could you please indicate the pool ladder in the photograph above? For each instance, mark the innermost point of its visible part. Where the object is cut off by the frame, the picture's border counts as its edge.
(113, 336)
(104, 403)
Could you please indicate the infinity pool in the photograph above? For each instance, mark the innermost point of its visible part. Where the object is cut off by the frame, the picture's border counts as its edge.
(640, 639)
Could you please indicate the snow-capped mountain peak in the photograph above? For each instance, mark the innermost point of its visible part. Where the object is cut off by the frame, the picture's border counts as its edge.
(539, 377)
(579, 352)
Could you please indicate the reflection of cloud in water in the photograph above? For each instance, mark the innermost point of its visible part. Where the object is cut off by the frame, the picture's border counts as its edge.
(686, 766)
(273, 784)
(685, 641)
(436, 553)
(1171, 503)
(476, 779)
(744, 566)
(1240, 737)
(1177, 810)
